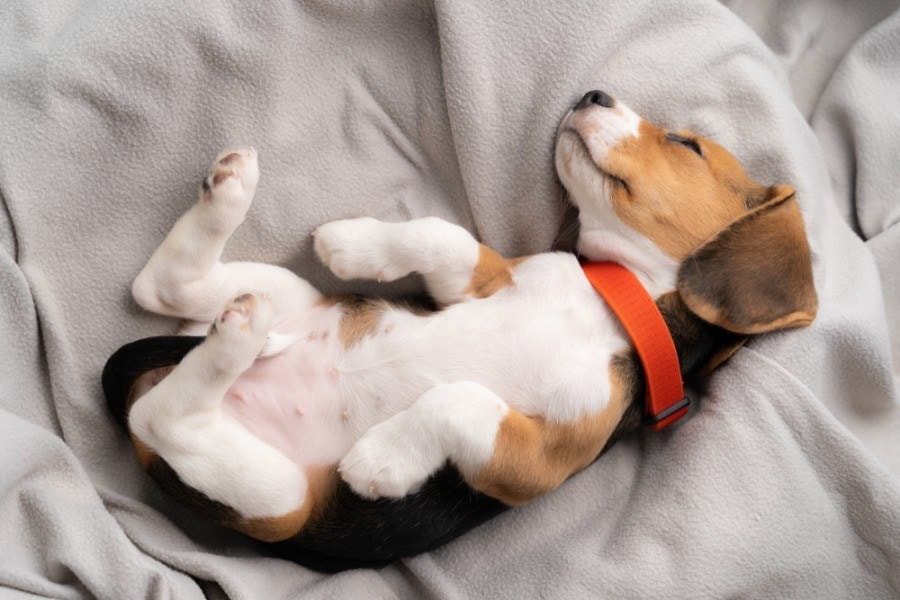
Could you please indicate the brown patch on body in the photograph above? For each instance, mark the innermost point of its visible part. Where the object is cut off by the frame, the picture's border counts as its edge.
(361, 318)
(362, 315)
(142, 384)
(321, 484)
(491, 274)
(273, 529)
(146, 455)
(322, 481)
(533, 455)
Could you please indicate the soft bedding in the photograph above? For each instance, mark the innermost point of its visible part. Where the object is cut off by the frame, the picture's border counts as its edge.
(783, 484)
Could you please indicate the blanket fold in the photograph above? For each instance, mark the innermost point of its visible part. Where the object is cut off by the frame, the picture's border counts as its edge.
(783, 484)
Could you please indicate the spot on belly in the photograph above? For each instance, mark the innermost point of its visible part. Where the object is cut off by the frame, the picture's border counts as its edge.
(361, 318)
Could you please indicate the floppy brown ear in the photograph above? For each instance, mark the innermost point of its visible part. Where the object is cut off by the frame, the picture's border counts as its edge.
(756, 274)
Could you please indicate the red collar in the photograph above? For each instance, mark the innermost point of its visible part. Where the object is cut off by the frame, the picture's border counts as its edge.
(666, 402)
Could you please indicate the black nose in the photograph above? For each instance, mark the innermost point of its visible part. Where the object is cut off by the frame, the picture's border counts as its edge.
(596, 97)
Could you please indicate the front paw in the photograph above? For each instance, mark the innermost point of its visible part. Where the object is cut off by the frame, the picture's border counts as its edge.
(359, 249)
(380, 465)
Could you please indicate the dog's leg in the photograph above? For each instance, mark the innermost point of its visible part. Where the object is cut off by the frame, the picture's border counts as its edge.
(184, 277)
(457, 421)
(498, 450)
(181, 420)
(533, 456)
(455, 266)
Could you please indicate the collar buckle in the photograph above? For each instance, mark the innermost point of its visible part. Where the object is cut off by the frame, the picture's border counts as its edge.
(656, 421)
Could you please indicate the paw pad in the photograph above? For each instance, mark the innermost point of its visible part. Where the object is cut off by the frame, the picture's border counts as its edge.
(229, 159)
(228, 187)
(221, 176)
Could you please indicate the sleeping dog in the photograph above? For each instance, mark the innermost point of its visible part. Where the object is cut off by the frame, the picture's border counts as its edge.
(352, 431)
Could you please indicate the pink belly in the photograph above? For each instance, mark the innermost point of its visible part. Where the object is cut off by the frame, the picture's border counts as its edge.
(291, 400)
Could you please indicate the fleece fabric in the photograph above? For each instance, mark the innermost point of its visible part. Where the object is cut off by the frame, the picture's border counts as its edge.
(783, 484)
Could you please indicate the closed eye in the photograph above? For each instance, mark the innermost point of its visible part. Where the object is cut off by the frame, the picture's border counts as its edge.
(619, 182)
(685, 141)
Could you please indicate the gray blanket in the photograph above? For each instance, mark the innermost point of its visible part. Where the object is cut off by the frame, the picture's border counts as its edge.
(784, 484)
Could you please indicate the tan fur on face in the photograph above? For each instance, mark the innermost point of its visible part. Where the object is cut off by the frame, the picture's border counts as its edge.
(533, 456)
(674, 197)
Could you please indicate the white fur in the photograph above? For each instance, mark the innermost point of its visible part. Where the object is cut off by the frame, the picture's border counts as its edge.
(181, 419)
(458, 421)
(418, 390)
(365, 248)
(586, 137)
(601, 128)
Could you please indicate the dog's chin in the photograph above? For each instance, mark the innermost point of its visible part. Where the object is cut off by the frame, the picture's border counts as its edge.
(589, 191)
(573, 151)
(564, 123)
(574, 165)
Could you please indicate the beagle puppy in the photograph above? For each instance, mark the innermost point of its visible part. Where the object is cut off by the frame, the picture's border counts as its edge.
(352, 431)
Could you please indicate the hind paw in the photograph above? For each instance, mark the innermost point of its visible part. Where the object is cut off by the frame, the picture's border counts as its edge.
(227, 191)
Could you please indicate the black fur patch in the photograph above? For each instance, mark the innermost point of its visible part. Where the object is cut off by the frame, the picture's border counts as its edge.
(353, 532)
(133, 360)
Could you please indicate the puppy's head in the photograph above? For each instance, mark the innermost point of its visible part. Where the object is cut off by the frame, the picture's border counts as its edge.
(679, 210)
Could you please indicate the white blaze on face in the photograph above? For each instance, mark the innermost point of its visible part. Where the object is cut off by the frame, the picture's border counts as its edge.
(585, 139)
(601, 128)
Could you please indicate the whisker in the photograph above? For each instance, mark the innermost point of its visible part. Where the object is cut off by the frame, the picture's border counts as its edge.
(703, 127)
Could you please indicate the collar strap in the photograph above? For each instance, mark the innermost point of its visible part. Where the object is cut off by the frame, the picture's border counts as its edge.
(666, 402)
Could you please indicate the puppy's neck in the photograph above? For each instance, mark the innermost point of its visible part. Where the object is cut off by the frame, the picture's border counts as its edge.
(701, 346)
(655, 269)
